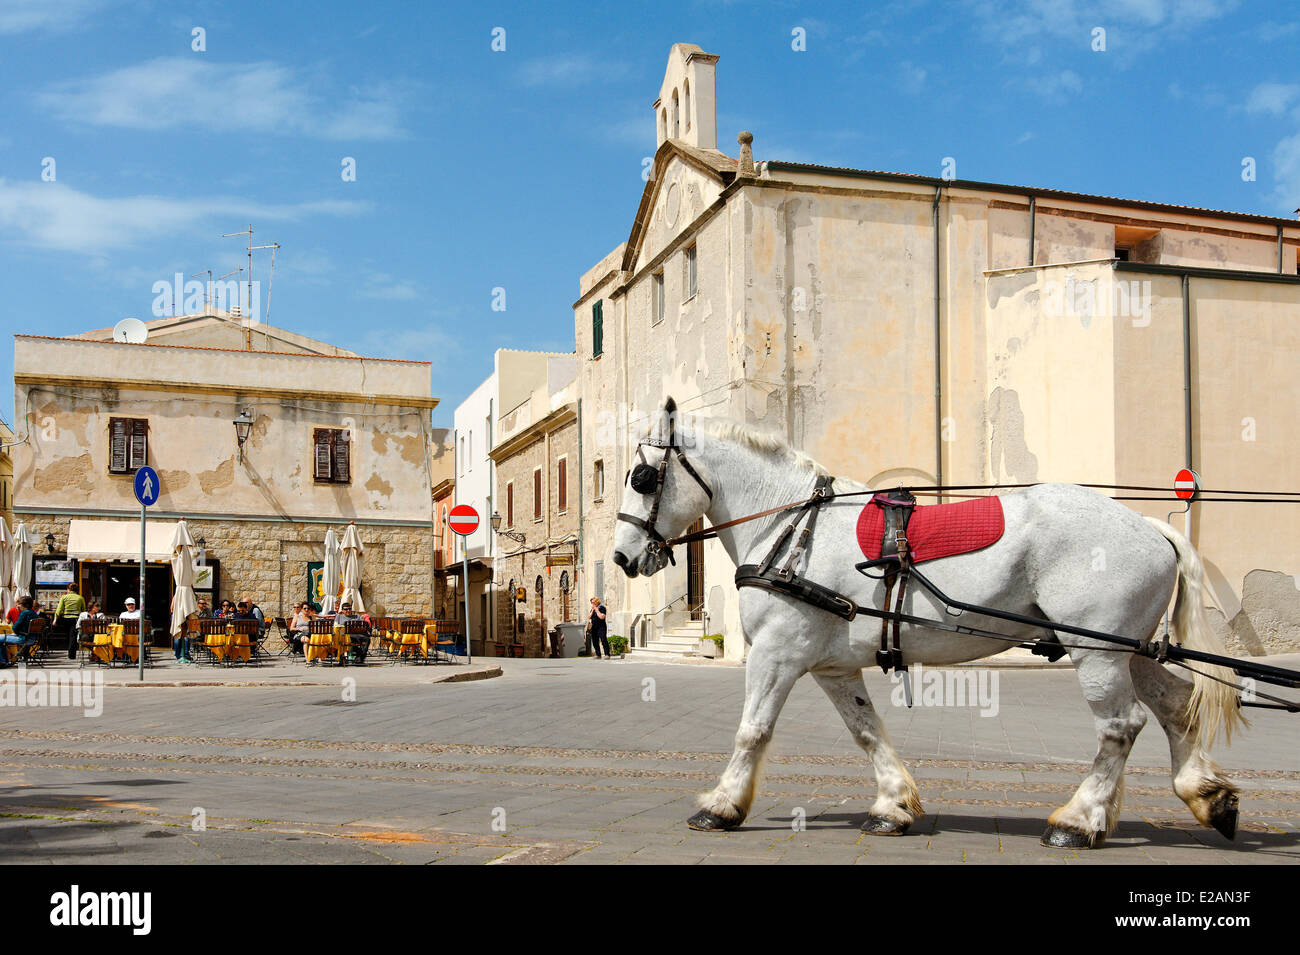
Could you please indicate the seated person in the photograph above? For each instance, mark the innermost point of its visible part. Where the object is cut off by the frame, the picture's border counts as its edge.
(227, 609)
(360, 641)
(300, 625)
(244, 612)
(92, 614)
(12, 615)
(130, 613)
(21, 635)
(205, 609)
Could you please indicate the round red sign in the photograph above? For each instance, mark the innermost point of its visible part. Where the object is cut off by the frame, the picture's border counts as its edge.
(1186, 483)
(463, 519)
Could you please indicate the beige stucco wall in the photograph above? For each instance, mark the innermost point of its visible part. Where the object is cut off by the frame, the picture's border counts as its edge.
(64, 463)
(827, 287)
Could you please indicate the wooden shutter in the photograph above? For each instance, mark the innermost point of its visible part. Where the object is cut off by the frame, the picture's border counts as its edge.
(139, 443)
(510, 504)
(324, 454)
(562, 492)
(118, 435)
(342, 456)
(537, 493)
(597, 328)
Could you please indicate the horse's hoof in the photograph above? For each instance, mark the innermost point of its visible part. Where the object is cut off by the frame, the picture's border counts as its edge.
(1058, 837)
(881, 826)
(705, 821)
(1224, 816)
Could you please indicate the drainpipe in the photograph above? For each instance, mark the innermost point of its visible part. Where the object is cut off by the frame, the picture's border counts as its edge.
(1279, 250)
(1033, 221)
(938, 349)
(1187, 393)
(577, 562)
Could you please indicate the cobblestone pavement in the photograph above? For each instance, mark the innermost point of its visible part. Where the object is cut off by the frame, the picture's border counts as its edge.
(584, 761)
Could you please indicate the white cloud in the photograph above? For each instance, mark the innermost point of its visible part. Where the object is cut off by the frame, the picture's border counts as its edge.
(191, 92)
(1272, 98)
(51, 215)
(22, 16)
(569, 69)
(1286, 173)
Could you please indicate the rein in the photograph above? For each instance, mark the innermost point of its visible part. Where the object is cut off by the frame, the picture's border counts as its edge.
(937, 490)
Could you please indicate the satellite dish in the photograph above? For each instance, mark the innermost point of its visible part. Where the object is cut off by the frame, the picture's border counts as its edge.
(131, 330)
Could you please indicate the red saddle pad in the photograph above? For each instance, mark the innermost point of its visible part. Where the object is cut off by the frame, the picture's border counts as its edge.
(937, 530)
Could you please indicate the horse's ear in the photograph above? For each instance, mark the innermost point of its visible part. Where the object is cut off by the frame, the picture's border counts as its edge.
(670, 406)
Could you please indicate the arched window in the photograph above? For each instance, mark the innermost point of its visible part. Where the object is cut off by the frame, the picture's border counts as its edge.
(663, 125)
(676, 117)
(686, 102)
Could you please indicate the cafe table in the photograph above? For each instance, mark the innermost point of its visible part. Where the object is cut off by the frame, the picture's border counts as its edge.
(115, 645)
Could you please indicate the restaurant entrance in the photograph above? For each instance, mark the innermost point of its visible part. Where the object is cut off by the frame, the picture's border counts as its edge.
(111, 582)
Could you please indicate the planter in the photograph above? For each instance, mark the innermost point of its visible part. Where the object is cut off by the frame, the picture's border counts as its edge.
(709, 649)
(516, 650)
(499, 649)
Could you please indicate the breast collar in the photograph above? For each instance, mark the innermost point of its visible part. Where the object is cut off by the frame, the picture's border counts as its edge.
(646, 478)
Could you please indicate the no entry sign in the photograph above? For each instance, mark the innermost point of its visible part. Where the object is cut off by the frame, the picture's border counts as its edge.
(1186, 483)
(463, 520)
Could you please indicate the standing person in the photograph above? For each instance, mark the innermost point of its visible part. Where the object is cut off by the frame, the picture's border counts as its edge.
(597, 627)
(71, 606)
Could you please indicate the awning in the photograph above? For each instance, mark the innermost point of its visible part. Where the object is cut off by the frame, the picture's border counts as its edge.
(119, 540)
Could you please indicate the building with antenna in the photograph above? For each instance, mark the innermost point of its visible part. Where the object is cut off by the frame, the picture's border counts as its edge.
(262, 450)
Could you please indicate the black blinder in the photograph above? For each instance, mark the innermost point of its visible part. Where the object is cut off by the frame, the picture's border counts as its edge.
(645, 479)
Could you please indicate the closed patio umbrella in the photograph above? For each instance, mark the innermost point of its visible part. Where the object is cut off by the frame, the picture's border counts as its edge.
(184, 602)
(6, 567)
(351, 567)
(23, 546)
(330, 574)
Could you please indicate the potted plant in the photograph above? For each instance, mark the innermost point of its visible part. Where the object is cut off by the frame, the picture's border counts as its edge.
(711, 646)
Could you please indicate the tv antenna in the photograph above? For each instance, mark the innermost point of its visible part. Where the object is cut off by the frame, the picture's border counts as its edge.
(248, 328)
(207, 290)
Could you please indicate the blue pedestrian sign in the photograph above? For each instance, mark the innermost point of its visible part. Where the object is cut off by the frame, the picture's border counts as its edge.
(146, 486)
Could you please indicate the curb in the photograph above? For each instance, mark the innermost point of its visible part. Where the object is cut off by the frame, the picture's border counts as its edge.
(462, 677)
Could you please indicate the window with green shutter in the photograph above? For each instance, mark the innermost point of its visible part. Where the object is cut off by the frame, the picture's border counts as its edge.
(597, 329)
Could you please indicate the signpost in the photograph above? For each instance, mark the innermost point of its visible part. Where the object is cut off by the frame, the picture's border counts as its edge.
(463, 520)
(146, 492)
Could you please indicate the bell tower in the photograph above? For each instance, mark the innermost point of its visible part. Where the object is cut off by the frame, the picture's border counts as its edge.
(687, 107)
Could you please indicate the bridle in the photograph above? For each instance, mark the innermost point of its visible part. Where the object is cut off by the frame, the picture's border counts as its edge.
(647, 478)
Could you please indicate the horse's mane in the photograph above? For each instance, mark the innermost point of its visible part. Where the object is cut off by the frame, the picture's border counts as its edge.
(764, 442)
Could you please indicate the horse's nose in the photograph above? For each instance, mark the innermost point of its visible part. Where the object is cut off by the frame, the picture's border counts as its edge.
(620, 558)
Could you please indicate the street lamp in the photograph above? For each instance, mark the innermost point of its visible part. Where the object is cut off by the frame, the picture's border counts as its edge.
(496, 529)
(243, 425)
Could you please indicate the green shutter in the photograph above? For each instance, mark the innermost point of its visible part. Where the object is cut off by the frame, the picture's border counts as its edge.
(597, 329)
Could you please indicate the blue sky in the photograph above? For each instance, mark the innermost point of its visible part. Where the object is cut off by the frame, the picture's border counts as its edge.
(520, 169)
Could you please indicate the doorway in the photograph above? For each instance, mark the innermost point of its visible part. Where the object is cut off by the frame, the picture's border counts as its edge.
(695, 572)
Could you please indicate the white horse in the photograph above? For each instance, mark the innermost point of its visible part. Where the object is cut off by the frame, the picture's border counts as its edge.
(1044, 565)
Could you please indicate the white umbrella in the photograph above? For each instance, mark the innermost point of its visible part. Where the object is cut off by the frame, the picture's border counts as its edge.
(330, 573)
(6, 566)
(351, 559)
(184, 602)
(24, 544)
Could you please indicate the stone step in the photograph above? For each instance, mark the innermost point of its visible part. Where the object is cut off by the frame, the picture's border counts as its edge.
(664, 646)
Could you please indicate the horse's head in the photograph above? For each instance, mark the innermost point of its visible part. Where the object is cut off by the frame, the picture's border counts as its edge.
(666, 490)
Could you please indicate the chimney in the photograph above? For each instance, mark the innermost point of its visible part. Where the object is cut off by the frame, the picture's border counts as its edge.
(746, 166)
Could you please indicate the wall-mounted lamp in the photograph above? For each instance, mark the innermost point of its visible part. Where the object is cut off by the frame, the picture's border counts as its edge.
(243, 425)
(203, 552)
(496, 528)
(49, 543)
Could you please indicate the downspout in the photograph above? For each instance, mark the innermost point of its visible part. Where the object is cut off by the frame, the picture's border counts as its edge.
(577, 563)
(938, 350)
(492, 535)
(1187, 372)
(1279, 250)
(1033, 221)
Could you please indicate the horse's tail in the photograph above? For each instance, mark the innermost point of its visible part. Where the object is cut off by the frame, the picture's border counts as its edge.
(1212, 704)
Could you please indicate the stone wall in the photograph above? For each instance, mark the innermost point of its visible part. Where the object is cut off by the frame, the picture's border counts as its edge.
(267, 560)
